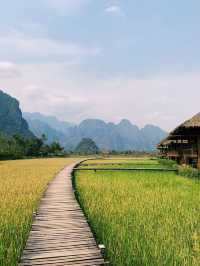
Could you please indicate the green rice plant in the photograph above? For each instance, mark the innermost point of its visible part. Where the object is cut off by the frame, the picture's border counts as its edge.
(135, 161)
(22, 184)
(168, 163)
(143, 218)
(130, 163)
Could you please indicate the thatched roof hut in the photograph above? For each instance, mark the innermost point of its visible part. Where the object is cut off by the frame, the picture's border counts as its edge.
(193, 122)
(164, 142)
(183, 142)
(189, 127)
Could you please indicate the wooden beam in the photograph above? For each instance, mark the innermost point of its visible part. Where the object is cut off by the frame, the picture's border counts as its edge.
(198, 152)
(126, 169)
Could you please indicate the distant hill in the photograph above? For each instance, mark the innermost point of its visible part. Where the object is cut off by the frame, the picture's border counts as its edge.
(151, 134)
(120, 137)
(108, 136)
(11, 120)
(39, 128)
(52, 121)
(87, 146)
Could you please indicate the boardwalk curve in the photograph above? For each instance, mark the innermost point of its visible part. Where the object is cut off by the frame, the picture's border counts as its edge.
(60, 234)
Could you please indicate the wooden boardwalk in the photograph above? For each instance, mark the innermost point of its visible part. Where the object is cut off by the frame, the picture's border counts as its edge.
(60, 234)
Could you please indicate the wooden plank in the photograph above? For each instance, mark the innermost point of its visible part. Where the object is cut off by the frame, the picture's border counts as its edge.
(60, 234)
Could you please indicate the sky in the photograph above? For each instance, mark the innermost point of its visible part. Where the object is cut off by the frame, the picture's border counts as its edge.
(106, 59)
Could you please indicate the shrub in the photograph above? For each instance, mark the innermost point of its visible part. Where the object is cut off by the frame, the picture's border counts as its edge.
(188, 171)
(167, 162)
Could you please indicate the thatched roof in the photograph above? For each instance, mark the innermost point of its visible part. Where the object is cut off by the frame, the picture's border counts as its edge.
(194, 122)
(165, 142)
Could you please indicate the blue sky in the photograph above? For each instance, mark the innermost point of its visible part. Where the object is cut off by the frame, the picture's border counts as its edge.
(103, 59)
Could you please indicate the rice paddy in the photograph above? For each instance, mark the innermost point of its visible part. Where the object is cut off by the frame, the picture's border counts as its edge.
(143, 218)
(22, 184)
(124, 163)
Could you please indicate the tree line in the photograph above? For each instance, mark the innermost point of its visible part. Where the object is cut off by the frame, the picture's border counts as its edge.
(17, 147)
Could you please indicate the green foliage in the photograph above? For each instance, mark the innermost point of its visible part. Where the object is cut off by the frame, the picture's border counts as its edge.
(183, 170)
(168, 163)
(143, 218)
(188, 171)
(17, 147)
(55, 149)
(137, 162)
(86, 147)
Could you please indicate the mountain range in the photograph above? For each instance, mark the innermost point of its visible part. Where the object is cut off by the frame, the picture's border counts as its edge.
(52, 121)
(11, 120)
(108, 136)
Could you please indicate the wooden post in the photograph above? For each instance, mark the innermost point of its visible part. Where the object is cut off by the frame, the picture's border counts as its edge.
(198, 152)
(102, 249)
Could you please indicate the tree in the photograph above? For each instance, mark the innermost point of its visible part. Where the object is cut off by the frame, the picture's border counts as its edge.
(17, 147)
(34, 147)
(56, 149)
(86, 147)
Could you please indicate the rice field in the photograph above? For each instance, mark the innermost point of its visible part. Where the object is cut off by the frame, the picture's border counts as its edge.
(22, 184)
(143, 218)
(123, 163)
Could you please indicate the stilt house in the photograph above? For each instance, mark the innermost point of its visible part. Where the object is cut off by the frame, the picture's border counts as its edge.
(183, 144)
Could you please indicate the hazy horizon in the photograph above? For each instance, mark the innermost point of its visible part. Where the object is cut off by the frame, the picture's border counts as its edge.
(89, 118)
(109, 59)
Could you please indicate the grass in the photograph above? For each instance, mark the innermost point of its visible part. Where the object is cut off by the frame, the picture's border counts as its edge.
(22, 184)
(124, 163)
(139, 160)
(143, 218)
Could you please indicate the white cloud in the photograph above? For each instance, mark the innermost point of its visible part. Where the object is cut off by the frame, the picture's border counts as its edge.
(114, 9)
(15, 45)
(59, 90)
(8, 70)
